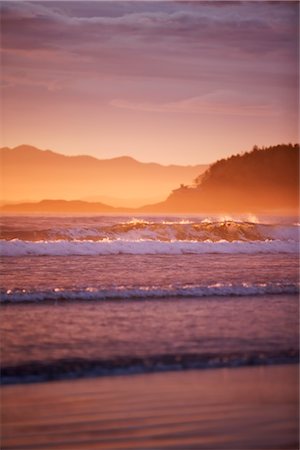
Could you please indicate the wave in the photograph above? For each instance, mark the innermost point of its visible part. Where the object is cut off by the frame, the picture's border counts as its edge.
(162, 230)
(149, 292)
(18, 247)
(37, 371)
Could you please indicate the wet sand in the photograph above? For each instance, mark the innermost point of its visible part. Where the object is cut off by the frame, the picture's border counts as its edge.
(241, 408)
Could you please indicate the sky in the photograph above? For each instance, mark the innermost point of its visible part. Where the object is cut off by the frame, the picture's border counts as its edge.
(170, 82)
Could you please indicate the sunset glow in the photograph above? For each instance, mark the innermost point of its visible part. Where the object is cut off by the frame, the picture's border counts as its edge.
(171, 82)
(149, 227)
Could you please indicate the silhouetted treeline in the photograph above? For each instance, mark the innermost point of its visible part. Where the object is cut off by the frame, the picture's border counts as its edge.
(277, 165)
(260, 180)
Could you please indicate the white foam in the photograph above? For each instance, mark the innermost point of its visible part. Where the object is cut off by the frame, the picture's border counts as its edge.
(122, 292)
(18, 247)
(285, 233)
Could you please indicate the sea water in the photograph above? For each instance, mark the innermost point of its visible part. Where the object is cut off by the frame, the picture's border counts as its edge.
(101, 295)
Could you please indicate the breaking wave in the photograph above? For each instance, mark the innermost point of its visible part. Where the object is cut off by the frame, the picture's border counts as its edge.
(16, 247)
(162, 230)
(157, 236)
(149, 292)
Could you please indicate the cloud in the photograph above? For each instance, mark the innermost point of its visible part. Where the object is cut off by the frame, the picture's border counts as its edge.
(55, 43)
(244, 27)
(219, 102)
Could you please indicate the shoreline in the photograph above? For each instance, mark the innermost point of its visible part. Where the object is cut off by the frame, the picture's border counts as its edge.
(228, 408)
(292, 290)
(70, 369)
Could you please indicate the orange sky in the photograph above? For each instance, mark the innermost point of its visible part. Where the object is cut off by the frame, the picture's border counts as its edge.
(184, 82)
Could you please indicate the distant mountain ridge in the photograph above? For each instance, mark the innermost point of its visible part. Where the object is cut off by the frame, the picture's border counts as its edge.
(260, 181)
(61, 206)
(33, 174)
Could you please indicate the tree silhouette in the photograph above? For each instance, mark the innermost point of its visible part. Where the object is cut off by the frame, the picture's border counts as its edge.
(266, 177)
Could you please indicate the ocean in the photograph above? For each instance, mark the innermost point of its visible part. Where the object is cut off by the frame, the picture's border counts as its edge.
(110, 295)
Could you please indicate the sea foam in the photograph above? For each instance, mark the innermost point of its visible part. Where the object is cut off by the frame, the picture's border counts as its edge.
(148, 292)
(16, 247)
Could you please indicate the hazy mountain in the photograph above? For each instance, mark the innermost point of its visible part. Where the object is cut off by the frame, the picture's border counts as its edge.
(33, 174)
(262, 180)
(59, 206)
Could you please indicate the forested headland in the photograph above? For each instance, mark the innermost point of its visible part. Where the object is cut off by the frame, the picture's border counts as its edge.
(262, 179)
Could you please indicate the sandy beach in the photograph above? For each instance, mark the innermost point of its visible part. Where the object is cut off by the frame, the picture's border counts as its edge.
(238, 408)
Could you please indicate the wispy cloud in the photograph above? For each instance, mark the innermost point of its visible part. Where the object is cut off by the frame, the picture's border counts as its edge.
(246, 27)
(220, 102)
(62, 41)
